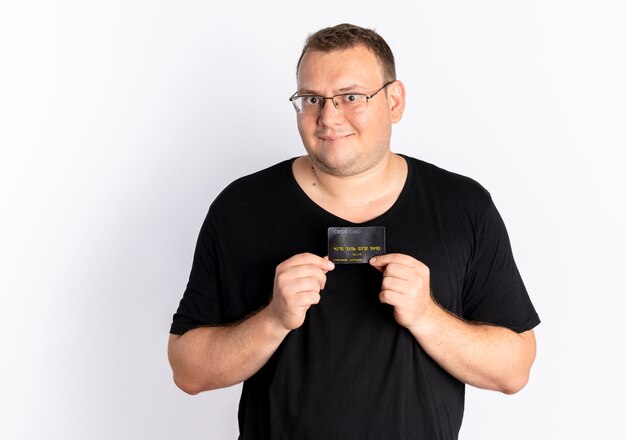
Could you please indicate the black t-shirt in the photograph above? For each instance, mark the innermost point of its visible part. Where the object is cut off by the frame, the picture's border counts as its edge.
(350, 371)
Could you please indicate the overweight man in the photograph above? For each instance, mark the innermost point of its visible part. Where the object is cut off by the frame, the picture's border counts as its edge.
(354, 291)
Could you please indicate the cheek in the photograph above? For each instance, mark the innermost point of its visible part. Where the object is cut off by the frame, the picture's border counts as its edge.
(306, 125)
(307, 128)
(364, 118)
(376, 125)
(362, 123)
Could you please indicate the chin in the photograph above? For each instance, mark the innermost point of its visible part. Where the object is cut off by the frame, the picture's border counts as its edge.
(340, 168)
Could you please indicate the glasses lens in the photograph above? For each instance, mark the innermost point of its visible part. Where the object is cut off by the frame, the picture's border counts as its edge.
(349, 104)
(306, 104)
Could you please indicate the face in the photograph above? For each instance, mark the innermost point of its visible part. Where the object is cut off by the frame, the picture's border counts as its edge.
(347, 145)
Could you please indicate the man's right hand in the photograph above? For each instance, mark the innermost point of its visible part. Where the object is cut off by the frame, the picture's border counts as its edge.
(297, 285)
(207, 358)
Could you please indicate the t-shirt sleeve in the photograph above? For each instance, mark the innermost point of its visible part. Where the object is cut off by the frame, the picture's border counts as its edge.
(203, 300)
(493, 290)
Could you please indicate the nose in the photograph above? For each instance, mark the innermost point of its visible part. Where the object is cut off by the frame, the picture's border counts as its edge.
(328, 112)
(332, 100)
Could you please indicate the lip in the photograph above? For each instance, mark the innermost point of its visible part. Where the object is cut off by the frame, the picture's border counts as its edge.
(333, 137)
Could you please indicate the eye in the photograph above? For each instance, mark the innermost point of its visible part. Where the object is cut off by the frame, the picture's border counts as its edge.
(353, 98)
(311, 100)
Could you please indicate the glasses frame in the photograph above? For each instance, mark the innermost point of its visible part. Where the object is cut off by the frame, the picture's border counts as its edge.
(332, 98)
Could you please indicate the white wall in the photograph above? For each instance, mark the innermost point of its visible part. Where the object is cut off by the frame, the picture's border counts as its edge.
(121, 120)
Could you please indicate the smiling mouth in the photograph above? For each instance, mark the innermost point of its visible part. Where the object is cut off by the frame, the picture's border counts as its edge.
(334, 137)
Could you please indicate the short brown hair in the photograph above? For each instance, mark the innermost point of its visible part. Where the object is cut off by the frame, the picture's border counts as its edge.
(344, 36)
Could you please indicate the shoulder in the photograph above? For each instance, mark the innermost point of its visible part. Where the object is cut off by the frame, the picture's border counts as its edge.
(446, 185)
(258, 182)
(253, 191)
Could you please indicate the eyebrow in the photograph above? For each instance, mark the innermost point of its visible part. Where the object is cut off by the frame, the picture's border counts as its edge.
(350, 88)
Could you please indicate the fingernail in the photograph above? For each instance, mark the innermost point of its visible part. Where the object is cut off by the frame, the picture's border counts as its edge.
(331, 265)
(372, 260)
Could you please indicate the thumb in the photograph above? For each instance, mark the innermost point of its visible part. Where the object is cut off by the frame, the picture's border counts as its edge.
(378, 263)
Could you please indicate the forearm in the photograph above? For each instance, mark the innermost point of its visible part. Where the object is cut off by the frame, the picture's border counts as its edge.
(208, 358)
(215, 357)
(484, 356)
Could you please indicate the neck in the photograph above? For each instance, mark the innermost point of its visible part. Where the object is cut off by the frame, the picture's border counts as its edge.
(356, 198)
(359, 187)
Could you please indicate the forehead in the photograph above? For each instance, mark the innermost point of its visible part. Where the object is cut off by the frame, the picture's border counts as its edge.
(322, 71)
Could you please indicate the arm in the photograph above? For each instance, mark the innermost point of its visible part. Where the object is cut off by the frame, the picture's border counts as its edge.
(208, 358)
(484, 356)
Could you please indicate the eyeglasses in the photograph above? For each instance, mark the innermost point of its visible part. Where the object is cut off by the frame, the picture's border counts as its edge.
(346, 103)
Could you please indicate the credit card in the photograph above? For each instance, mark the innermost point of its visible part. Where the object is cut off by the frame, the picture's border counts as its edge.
(355, 245)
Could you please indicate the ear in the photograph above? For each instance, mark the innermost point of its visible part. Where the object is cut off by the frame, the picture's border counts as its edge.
(396, 97)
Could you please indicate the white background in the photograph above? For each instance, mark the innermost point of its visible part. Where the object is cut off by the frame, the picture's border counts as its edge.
(120, 121)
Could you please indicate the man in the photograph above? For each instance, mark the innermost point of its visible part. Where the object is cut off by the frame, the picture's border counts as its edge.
(352, 351)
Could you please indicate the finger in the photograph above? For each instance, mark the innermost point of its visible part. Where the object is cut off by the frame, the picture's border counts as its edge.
(373, 262)
(312, 297)
(408, 273)
(287, 286)
(381, 262)
(390, 297)
(322, 262)
(307, 258)
(308, 284)
(304, 299)
(396, 284)
(304, 271)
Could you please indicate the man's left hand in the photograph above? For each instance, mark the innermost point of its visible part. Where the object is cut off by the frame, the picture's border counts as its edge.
(405, 286)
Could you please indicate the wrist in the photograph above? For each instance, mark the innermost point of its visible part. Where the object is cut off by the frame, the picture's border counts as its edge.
(426, 324)
(271, 325)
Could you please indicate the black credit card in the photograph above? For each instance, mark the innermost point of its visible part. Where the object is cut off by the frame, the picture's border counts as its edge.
(354, 245)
